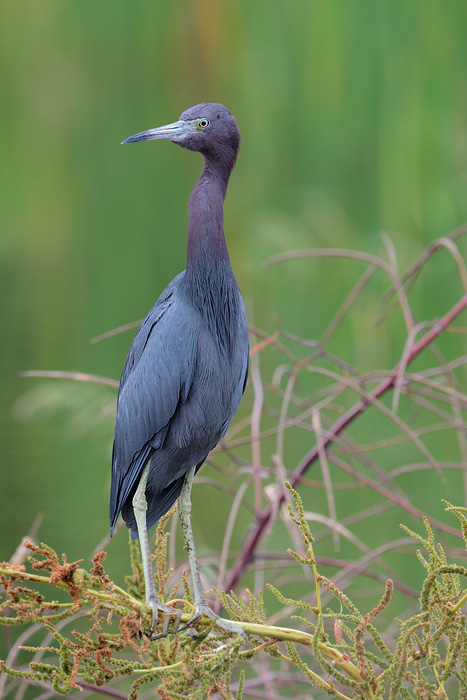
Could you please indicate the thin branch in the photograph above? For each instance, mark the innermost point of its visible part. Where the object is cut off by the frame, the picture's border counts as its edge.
(263, 519)
(388, 494)
(398, 284)
(331, 253)
(256, 427)
(316, 421)
(410, 276)
(101, 690)
(75, 376)
(116, 331)
(347, 304)
(229, 529)
(412, 336)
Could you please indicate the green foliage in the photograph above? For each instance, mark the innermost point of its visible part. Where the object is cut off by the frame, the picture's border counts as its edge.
(352, 119)
(345, 656)
(107, 650)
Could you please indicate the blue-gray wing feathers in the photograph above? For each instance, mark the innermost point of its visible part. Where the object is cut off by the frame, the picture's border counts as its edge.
(178, 393)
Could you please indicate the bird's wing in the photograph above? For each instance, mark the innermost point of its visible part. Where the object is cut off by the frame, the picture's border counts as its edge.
(157, 377)
(141, 338)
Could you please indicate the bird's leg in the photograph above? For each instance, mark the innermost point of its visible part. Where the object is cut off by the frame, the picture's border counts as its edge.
(201, 605)
(140, 507)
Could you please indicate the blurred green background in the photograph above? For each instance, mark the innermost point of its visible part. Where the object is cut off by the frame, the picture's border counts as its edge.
(353, 119)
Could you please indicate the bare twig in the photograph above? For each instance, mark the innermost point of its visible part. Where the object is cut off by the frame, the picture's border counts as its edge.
(263, 519)
(256, 427)
(75, 376)
(316, 421)
(116, 331)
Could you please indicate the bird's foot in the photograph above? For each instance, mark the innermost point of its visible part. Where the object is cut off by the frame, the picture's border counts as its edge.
(168, 613)
(226, 625)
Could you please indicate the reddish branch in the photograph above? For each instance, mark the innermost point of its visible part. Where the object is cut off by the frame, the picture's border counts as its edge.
(264, 519)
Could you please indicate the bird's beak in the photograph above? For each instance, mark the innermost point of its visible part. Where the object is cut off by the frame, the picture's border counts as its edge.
(173, 132)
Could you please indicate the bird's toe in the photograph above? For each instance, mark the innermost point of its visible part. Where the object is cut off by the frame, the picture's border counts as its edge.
(169, 615)
(233, 628)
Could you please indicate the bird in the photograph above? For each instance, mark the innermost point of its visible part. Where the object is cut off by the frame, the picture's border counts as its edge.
(187, 367)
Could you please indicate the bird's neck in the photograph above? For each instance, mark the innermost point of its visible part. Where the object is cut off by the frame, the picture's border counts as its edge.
(206, 240)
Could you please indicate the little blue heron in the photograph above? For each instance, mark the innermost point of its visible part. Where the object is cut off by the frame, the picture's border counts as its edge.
(187, 366)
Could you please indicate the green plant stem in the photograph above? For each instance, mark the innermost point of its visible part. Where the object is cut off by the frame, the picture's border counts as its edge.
(125, 593)
(458, 605)
(170, 667)
(315, 574)
(87, 592)
(441, 691)
(324, 683)
(286, 634)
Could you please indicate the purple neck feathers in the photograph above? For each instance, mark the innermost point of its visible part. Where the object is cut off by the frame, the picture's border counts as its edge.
(205, 229)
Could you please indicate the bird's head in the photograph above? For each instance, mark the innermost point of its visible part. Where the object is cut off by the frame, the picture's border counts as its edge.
(208, 128)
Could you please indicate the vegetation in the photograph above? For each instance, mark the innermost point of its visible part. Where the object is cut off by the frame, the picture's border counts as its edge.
(303, 627)
(351, 655)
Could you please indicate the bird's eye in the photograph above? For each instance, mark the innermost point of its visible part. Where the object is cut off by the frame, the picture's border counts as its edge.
(203, 123)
